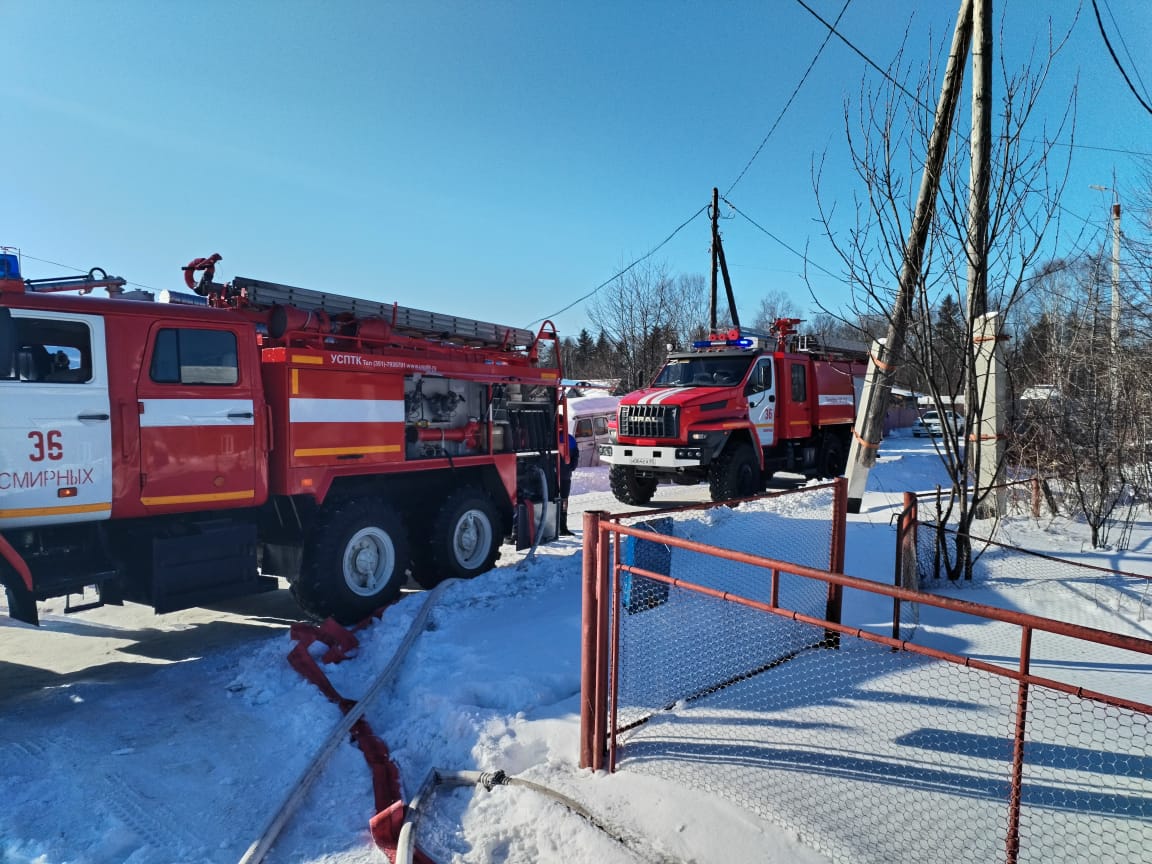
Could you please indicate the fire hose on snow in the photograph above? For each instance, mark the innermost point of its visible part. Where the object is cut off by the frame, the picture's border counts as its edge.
(489, 780)
(263, 843)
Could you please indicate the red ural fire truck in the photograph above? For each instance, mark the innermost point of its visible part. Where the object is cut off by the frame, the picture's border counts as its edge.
(734, 410)
(176, 454)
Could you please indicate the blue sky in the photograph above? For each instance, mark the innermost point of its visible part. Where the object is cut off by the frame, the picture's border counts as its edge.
(495, 160)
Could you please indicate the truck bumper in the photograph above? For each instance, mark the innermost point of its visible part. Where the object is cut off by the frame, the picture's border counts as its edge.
(667, 458)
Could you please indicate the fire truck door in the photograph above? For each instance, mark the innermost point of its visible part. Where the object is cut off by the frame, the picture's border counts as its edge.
(799, 409)
(761, 392)
(55, 423)
(197, 421)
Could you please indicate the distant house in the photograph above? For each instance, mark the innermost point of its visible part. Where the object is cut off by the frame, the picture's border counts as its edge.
(902, 409)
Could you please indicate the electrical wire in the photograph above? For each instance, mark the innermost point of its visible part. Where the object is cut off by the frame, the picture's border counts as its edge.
(795, 252)
(612, 279)
(791, 98)
(1124, 45)
(1116, 60)
(832, 29)
(1089, 147)
(79, 269)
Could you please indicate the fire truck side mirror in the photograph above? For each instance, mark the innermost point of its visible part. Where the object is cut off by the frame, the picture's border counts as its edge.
(7, 341)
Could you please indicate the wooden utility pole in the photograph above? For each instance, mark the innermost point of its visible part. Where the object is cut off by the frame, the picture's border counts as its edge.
(885, 358)
(1114, 348)
(715, 257)
(718, 260)
(984, 390)
(981, 160)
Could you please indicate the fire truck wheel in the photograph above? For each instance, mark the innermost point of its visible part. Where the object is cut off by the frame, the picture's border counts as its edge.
(736, 474)
(355, 561)
(628, 488)
(464, 540)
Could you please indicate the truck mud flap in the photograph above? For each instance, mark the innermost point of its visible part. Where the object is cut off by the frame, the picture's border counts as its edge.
(216, 563)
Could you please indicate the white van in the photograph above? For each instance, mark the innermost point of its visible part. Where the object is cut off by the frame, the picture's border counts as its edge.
(588, 417)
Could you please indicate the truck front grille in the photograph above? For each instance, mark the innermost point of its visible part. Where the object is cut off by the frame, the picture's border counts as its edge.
(650, 421)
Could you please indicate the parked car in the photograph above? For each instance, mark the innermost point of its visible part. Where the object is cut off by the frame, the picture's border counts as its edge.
(931, 424)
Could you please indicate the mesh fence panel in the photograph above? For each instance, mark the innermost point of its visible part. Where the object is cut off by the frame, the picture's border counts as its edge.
(869, 754)
(674, 646)
(1073, 591)
(853, 750)
(874, 755)
(1087, 783)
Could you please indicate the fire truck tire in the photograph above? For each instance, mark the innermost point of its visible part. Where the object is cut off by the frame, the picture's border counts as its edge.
(464, 540)
(736, 474)
(628, 488)
(355, 561)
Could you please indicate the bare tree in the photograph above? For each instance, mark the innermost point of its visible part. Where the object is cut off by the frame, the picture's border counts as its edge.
(1083, 422)
(887, 131)
(644, 312)
(775, 304)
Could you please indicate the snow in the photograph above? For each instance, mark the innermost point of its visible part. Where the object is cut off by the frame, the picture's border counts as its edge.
(130, 737)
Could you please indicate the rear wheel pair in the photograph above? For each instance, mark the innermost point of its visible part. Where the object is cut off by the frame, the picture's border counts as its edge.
(357, 556)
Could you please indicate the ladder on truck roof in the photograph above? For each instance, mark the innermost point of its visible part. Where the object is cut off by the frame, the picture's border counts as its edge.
(404, 319)
(818, 344)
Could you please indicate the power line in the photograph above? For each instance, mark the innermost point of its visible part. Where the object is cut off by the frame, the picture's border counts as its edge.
(788, 104)
(1116, 60)
(1088, 147)
(1124, 45)
(80, 270)
(795, 252)
(832, 29)
(612, 279)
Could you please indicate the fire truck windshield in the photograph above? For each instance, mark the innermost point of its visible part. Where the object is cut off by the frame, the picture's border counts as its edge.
(703, 371)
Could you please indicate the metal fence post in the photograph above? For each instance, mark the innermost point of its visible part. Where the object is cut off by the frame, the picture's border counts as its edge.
(603, 606)
(905, 555)
(1015, 794)
(836, 557)
(589, 658)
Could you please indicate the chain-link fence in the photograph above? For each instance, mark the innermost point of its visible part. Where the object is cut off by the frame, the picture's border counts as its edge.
(678, 632)
(866, 747)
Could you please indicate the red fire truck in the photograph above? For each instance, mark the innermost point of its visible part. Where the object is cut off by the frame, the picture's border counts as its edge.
(176, 454)
(734, 410)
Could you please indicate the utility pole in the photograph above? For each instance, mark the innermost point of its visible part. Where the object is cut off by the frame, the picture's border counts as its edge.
(984, 390)
(718, 260)
(1115, 275)
(980, 162)
(1114, 312)
(885, 358)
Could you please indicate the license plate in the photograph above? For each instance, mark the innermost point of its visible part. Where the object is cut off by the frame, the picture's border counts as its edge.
(643, 460)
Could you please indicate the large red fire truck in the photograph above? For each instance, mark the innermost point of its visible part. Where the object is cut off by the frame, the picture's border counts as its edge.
(737, 408)
(176, 454)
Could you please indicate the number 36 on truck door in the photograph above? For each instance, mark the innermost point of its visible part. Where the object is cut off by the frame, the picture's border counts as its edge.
(55, 431)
